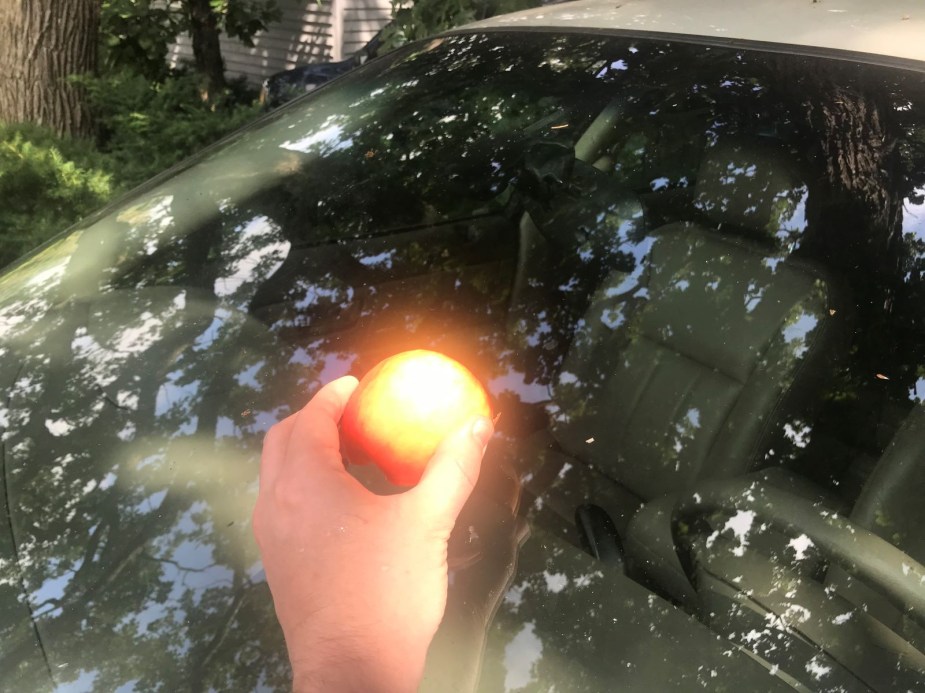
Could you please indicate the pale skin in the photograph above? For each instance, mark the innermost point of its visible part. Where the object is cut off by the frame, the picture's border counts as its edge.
(359, 580)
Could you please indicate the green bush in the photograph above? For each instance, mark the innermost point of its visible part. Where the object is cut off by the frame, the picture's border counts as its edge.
(46, 184)
(147, 126)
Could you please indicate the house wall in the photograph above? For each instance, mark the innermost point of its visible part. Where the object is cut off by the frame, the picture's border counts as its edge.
(361, 20)
(308, 32)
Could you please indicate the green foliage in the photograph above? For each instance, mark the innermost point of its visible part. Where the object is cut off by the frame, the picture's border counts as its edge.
(46, 183)
(417, 19)
(241, 19)
(136, 35)
(146, 127)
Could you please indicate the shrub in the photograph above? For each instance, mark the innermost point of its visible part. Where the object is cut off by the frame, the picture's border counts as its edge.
(147, 126)
(46, 184)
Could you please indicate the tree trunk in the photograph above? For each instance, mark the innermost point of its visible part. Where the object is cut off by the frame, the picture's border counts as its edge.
(207, 51)
(42, 43)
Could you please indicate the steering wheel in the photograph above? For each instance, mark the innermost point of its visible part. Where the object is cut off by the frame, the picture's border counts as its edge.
(860, 553)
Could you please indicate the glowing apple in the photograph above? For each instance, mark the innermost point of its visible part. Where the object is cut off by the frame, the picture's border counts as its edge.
(404, 407)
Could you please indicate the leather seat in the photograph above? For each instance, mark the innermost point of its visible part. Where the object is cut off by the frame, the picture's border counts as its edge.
(685, 367)
(856, 622)
(891, 507)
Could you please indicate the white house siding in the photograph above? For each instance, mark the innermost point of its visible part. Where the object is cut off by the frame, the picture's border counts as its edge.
(308, 32)
(361, 19)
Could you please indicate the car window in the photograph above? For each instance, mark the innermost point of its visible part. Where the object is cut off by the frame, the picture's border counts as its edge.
(690, 276)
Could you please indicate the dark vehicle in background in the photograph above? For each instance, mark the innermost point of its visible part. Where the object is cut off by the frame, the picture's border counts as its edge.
(685, 252)
(288, 84)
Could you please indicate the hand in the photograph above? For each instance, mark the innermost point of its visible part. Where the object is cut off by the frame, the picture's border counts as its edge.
(359, 581)
(483, 561)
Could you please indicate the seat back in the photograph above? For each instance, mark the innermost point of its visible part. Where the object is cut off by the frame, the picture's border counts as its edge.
(684, 367)
(891, 506)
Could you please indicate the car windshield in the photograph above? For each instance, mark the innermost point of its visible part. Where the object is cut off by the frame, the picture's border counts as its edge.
(690, 276)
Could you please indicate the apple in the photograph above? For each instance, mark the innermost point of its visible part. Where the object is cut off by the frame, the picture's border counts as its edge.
(404, 407)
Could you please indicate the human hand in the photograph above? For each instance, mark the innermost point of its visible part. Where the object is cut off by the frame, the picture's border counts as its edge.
(359, 581)
(483, 561)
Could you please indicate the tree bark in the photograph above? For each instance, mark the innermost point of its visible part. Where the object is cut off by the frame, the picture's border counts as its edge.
(207, 52)
(42, 43)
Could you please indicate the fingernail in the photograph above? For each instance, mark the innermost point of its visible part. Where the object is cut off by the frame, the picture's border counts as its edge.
(482, 430)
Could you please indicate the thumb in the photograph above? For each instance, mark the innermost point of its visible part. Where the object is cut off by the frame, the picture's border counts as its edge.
(453, 471)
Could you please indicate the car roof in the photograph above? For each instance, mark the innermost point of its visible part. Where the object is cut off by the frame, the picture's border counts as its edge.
(892, 29)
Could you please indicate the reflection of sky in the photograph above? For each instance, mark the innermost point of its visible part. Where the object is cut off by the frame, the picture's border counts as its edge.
(248, 376)
(225, 428)
(334, 366)
(918, 390)
(513, 381)
(195, 571)
(211, 333)
(53, 588)
(795, 334)
(260, 233)
(82, 683)
(174, 394)
(328, 139)
(796, 221)
(521, 656)
(914, 217)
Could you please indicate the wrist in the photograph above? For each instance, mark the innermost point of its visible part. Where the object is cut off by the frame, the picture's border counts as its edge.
(371, 667)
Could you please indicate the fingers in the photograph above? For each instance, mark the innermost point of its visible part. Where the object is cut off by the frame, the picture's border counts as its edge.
(453, 471)
(314, 431)
(329, 401)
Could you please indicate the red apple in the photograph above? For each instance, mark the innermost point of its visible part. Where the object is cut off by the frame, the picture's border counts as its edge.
(404, 407)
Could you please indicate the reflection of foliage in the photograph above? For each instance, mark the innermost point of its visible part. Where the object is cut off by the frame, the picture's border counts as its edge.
(383, 214)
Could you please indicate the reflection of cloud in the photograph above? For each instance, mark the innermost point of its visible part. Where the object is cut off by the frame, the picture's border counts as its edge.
(917, 391)
(516, 382)
(555, 582)
(795, 334)
(58, 427)
(521, 656)
(257, 247)
(740, 524)
(326, 140)
(914, 217)
(800, 546)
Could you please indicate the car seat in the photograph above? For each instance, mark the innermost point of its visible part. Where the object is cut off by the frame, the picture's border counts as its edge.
(685, 366)
(858, 623)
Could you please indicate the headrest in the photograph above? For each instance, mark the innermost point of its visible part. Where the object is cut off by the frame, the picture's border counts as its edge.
(753, 185)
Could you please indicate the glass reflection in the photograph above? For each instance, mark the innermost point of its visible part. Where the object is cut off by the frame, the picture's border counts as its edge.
(666, 278)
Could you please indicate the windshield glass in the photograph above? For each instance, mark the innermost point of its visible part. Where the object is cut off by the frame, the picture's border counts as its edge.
(690, 277)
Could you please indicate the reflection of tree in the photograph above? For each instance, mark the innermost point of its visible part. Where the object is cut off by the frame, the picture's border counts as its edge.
(142, 373)
(132, 536)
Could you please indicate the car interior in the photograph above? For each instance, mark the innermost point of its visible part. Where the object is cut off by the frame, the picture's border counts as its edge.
(694, 404)
(680, 379)
(679, 339)
(686, 353)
